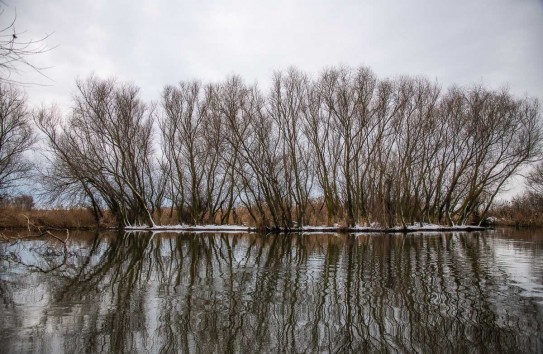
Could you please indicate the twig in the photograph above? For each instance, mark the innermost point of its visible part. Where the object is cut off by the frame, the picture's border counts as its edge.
(43, 232)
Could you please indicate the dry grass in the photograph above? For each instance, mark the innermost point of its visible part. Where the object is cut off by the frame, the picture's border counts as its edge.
(15, 218)
(315, 214)
(523, 211)
(82, 218)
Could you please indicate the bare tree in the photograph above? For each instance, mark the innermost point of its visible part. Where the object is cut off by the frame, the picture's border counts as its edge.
(534, 179)
(287, 101)
(194, 145)
(16, 136)
(105, 147)
(16, 50)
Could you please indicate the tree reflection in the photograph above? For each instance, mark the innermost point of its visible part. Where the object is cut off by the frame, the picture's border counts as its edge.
(166, 293)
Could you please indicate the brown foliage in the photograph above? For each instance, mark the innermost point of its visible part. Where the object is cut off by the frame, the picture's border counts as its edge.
(11, 217)
(525, 210)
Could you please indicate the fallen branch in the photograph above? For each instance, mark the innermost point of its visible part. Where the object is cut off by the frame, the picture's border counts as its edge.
(42, 231)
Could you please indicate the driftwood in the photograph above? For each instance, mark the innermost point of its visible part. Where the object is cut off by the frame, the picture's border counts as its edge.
(35, 231)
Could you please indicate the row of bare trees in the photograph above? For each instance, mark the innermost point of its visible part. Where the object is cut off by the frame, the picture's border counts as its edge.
(356, 148)
(345, 147)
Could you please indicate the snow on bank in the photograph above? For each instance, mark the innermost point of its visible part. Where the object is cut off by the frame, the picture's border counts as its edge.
(226, 228)
(310, 229)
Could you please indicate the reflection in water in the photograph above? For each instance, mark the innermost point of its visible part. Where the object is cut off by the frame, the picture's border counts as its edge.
(138, 292)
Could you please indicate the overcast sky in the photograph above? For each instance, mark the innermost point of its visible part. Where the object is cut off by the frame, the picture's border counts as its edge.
(153, 43)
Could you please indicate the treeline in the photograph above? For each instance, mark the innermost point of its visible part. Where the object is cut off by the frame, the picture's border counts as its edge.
(345, 147)
(526, 208)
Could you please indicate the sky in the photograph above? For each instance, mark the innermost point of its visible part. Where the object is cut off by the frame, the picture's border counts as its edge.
(497, 43)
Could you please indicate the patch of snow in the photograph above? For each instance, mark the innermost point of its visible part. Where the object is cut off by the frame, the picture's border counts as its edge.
(182, 227)
(418, 227)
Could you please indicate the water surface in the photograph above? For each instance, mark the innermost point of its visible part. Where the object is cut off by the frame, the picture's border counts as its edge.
(253, 293)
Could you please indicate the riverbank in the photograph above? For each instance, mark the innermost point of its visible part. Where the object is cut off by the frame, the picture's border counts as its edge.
(82, 219)
(308, 229)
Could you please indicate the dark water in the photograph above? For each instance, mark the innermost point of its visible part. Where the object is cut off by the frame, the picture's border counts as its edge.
(248, 293)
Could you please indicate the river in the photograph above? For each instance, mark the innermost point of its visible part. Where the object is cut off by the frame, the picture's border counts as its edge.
(254, 293)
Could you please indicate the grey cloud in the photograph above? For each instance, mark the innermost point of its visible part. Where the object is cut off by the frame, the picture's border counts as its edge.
(497, 42)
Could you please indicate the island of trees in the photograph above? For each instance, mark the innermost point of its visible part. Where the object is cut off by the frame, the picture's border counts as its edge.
(344, 148)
